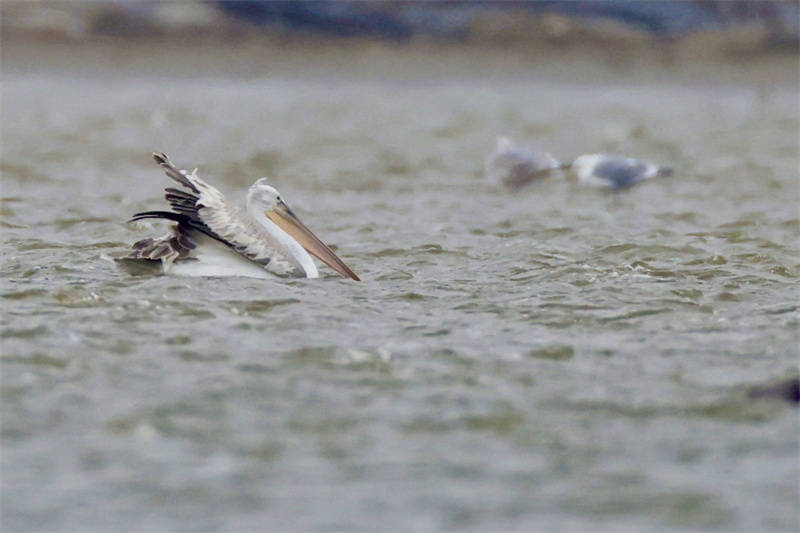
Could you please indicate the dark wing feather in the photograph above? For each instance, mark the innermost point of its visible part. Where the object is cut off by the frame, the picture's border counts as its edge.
(172, 172)
(181, 200)
(177, 244)
(186, 221)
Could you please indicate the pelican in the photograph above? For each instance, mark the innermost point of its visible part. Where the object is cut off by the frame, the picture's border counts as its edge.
(614, 171)
(210, 238)
(514, 166)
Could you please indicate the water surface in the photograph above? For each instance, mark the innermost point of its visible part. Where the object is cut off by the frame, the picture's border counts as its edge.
(554, 358)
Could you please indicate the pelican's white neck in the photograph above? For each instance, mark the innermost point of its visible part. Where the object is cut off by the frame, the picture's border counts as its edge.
(294, 252)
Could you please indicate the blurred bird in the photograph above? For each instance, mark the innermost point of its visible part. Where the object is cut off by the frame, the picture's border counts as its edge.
(515, 167)
(613, 171)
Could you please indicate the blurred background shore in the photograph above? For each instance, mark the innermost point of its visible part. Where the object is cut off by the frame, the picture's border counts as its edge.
(719, 41)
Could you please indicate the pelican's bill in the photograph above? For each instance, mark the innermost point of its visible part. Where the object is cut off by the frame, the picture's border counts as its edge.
(285, 219)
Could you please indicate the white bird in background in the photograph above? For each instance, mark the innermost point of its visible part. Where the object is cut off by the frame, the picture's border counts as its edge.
(515, 166)
(614, 171)
(210, 238)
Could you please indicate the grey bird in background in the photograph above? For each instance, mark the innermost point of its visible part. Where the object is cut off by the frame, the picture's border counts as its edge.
(614, 171)
(514, 166)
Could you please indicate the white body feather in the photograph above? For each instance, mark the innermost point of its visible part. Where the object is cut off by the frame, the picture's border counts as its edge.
(212, 258)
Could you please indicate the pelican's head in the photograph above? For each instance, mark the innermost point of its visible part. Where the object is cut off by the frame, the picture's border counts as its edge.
(263, 197)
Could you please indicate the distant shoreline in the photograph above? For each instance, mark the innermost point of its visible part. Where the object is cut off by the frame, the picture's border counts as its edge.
(417, 61)
(725, 26)
(737, 41)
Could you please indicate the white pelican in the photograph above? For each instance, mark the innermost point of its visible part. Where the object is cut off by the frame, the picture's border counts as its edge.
(514, 166)
(213, 239)
(614, 171)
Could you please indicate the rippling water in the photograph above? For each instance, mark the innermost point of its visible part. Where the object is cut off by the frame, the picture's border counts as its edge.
(557, 357)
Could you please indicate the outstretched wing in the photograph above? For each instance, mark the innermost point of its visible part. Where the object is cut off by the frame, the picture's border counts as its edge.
(198, 196)
(205, 209)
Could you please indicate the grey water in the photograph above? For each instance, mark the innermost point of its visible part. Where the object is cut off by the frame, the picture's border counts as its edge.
(553, 358)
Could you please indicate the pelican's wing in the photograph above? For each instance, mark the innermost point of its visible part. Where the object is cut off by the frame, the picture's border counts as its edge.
(177, 244)
(205, 209)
